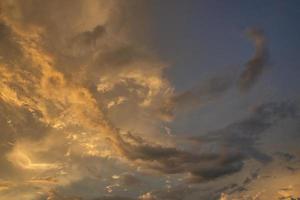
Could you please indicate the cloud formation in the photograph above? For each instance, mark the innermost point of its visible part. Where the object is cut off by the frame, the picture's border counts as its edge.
(81, 100)
(202, 94)
(232, 145)
(59, 76)
(256, 65)
(214, 88)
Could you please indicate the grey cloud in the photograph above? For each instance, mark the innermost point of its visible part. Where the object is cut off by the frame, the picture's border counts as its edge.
(242, 136)
(58, 97)
(84, 44)
(238, 189)
(58, 197)
(217, 86)
(254, 175)
(120, 56)
(206, 92)
(210, 90)
(242, 187)
(292, 169)
(285, 156)
(128, 180)
(115, 60)
(215, 171)
(114, 198)
(170, 160)
(91, 37)
(256, 65)
(238, 140)
(184, 192)
(178, 192)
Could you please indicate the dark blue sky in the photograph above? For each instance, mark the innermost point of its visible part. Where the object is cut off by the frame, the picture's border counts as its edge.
(202, 37)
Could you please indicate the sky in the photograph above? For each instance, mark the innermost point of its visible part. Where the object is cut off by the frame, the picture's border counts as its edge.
(149, 100)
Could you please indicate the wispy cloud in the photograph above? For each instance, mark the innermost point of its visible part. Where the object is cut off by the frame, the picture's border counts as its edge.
(257, 64)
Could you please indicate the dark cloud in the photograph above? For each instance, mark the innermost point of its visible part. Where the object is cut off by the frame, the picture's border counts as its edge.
(54, 195)
(234, 143)
(120, 57)
(285, 156)
(242, 187)
(114, 198)
(176, 193)
(215, 87)
(207, 91)
(256, 65)
(91, 37)
(242, 136)
(202, 94)
(182, 192)
(61, 64)
(170, 160)
(128, 180)
(84, 44)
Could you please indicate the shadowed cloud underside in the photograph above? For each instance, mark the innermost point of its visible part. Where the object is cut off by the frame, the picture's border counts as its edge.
(88, 111)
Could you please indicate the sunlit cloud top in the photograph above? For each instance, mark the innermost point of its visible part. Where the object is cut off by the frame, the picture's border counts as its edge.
(89, 109)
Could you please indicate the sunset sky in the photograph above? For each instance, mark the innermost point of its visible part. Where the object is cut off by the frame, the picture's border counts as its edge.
(149, 100)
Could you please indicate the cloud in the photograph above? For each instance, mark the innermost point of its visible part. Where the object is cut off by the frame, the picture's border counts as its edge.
(147, 196)
(72, 87)
(242, 136)
(256, 65)
(58, 77)
(285, 156)
(128, 180)
(217, 86)
(202, 94)
(114, 198)
(9, 50)
(233, 144)
(183, 191)
(59, 98)
(90, 37)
